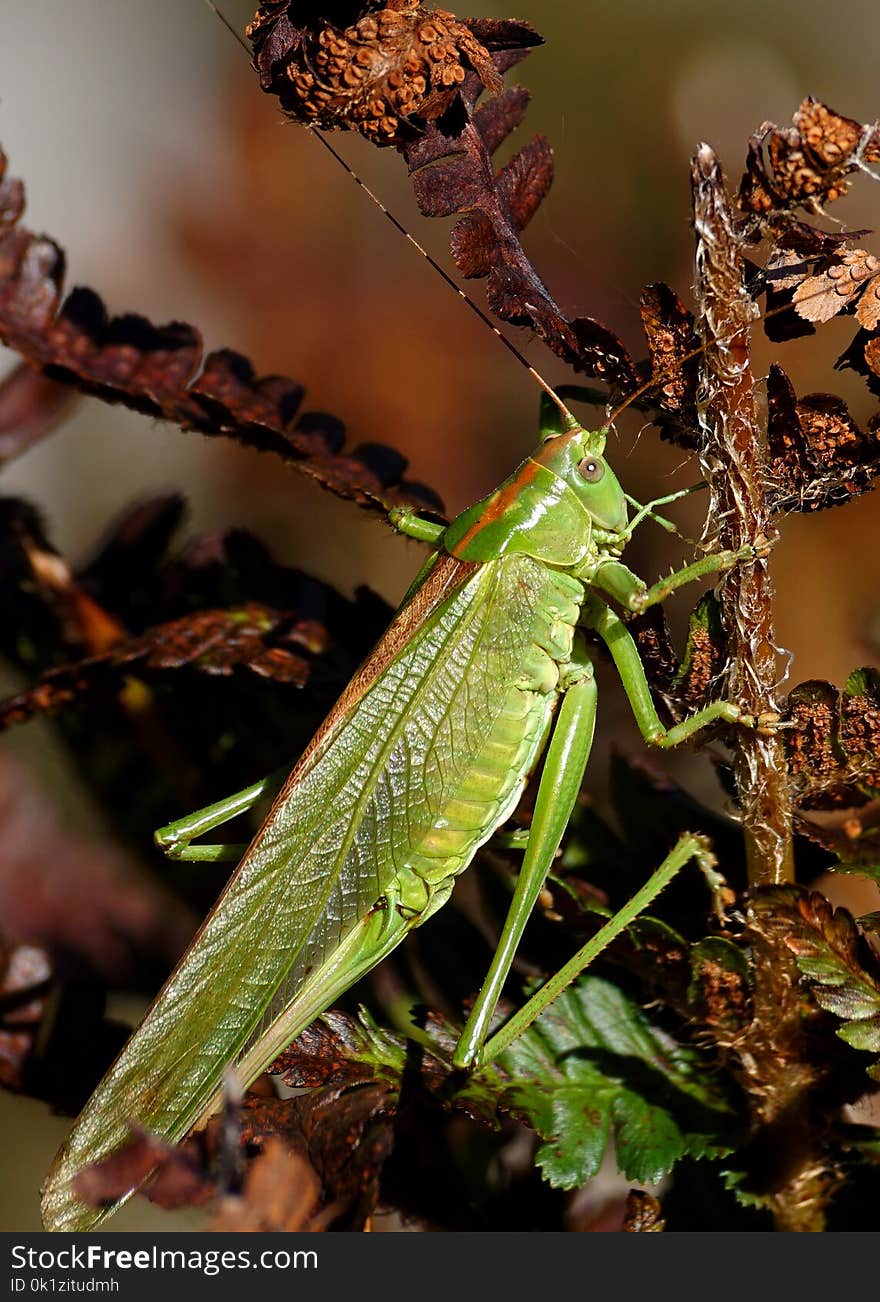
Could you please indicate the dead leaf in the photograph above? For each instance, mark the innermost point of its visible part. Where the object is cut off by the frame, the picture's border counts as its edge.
(280, 1194)
(162, 371)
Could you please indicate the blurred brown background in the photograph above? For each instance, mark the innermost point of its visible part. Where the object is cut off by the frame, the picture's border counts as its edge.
(177, 191)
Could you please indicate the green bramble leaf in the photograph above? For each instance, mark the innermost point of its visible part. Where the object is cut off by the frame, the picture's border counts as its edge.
(592, 1066)
(593, 1063)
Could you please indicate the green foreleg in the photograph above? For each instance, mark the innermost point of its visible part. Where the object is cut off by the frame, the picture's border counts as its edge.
(406, 521)
(174, 839)
(625, 655)
(647, 511)
(561, 780)
(619, 582)
(225, 852)
(713, 563)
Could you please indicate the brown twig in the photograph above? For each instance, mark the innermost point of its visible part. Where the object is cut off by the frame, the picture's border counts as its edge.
(772, 1057)
(732, 456)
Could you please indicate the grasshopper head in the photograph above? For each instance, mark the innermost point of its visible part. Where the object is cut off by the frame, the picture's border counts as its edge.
(577, 457)
(551, 507)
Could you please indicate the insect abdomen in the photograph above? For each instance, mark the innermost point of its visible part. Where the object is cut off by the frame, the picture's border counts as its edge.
(492, 785)
(491, 789)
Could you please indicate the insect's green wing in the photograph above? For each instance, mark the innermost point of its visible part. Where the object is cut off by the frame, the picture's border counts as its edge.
(328, 886)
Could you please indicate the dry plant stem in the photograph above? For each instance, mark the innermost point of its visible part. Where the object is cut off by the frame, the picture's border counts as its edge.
(782, 1081)
(771, 1054)
(733, 462)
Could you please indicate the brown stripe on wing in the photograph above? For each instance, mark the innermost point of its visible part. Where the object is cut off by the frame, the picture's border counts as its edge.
(446, 576)
(501, 502)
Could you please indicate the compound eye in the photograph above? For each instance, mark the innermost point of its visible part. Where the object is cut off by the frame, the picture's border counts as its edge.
(592, 469)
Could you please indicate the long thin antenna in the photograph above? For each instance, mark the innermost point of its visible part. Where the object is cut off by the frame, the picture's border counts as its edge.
(442, 272)
(673, 369)
(646, 387)
(669, 373)
(218, 13)
(401, 230)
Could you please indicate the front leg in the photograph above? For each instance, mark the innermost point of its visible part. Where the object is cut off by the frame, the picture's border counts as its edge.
(619, 582)
(625, 654)
(405, 520)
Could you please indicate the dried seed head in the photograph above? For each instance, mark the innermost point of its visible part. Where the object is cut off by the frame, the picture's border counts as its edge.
(754, 196)
(398, 61)
(705, 665)
(810, 745)
(831, 138)
(807, 163)
(829, 428)
(868, 310)
(872, 355)
(669, 329)
(860, 734)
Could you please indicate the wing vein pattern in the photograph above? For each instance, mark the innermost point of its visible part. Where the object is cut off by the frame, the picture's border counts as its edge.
(373, 807)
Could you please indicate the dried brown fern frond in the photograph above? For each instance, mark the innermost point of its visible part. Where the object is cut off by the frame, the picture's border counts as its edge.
(396, 64)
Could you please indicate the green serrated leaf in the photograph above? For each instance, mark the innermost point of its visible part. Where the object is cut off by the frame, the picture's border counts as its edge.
(863, 1035)
(863, 682)
(648, 1140)
(736, 1182)
(579, 1139)
(850, 1003)
(823, 968)
(593, 1060)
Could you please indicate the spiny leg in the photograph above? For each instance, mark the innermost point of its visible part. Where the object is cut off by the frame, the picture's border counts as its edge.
(689, 846)
(647, 511)
(625, 655)
(561, 779)
(174, 838)
(614, 633)
(619, 582)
